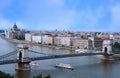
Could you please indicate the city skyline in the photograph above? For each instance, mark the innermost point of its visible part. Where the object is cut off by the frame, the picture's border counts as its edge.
(76, 15)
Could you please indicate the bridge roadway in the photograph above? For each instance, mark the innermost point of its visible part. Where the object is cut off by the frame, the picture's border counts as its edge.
(50, 57)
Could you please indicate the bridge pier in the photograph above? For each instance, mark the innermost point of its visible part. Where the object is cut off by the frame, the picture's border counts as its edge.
(23, 58)
(107, 49)
(105, 57)
(22, 66)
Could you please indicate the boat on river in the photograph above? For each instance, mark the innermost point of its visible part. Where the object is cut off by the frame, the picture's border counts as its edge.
(65, 66)
(33, 64)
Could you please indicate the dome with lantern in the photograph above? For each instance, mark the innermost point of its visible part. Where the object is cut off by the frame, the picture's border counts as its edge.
(15, 28)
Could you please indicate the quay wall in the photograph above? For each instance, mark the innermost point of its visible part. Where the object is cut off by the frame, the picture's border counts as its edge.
(38, 44)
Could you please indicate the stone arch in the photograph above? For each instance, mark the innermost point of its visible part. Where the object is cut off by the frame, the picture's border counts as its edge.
(105, 49)
(20, 55)
(107, 46)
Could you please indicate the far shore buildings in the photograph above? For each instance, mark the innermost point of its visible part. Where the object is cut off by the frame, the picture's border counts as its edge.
(82, 43)
(47, 39)
(15, 33)
(78, 40)
(96, 42)
(65, 40)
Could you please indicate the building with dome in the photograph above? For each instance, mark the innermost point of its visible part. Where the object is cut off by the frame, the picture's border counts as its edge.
(15, 33)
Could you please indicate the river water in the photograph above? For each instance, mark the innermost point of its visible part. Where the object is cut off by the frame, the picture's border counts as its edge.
(84, 67)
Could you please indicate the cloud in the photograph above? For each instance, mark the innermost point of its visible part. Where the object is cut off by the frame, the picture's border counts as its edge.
(89, 19)
(50, 14)
(100, 15)
(115, 12)
(7, 24)
(4, 23)
(104, 17)
(60, 21)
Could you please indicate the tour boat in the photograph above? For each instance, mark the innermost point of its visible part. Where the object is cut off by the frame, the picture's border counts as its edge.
(33, 64)
(62, 65)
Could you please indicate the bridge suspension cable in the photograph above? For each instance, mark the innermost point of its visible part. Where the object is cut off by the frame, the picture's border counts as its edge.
(38, 52)
(8, 54)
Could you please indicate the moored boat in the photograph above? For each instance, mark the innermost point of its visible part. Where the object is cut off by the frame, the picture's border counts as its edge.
(66, 66)
(33, 64)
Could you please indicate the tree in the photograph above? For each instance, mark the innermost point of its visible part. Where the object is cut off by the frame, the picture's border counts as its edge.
(4, 75)
(40, 76)
(48, 76)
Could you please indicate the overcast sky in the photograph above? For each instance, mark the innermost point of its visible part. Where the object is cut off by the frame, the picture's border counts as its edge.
(82, 15)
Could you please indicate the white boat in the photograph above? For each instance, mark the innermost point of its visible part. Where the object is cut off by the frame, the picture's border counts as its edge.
(62, 65)
(81, 50)
(33, 64)
(78, 50)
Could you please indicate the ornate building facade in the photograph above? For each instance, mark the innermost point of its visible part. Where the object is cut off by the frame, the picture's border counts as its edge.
(15, 33)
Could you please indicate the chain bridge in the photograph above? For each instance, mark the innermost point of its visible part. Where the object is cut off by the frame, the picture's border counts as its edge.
(23, 56)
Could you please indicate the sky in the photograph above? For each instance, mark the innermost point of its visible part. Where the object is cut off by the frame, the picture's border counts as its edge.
(74, 15)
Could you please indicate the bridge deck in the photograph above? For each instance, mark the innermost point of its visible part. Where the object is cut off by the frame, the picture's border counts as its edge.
(64, 56)
(51, 57)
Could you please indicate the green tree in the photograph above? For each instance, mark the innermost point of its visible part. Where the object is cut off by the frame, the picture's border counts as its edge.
(116, 45)
(48, 76)
(4, 75)
(40, 76)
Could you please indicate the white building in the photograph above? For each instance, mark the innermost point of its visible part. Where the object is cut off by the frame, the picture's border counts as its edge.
(8, 34)
(57, 41)
(28, 37)
(46, 39)
(66, 41)
(63, 41)
(37, 39)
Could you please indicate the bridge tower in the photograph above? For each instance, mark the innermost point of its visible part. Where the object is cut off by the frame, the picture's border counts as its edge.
(23, 58)
(107, 49)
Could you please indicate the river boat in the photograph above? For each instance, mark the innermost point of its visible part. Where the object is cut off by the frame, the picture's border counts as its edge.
(33, 64)
(65, 66)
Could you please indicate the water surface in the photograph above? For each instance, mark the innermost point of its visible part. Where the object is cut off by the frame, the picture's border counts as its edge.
(85, 66)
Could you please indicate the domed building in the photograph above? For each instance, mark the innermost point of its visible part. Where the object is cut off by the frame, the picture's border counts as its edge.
(15, 33)
(15, 28)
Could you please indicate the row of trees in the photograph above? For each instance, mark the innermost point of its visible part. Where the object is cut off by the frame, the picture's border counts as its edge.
(116, 47)
(5, 75)
(40, 76)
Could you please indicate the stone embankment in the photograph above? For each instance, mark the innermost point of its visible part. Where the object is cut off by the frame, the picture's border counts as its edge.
(41, 45)
(116, 55)
(18, 41)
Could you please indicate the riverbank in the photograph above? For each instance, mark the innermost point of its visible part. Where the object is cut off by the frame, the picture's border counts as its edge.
(116, 56)
(41, 45)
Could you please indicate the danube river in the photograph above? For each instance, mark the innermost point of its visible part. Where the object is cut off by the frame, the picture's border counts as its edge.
(84, 67)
